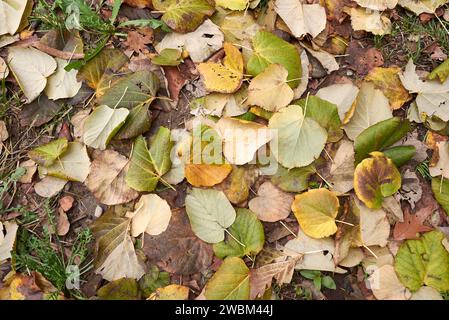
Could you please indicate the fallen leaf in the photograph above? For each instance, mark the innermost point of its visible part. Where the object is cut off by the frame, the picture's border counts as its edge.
(200, 44)
(341, 175)
(7, 239)
(269, 49)
(233, 4)
(373, 224)
(300, 139)
(269, 89)
(241, 139)
(39, 112)
(168, 57)
(426, 293)
(237, 185)
(441, 168)
(116, 257)
(433, 96)
(66, 203)
(137, 41)
(106, 179)
(380, 5)
(184, 15)
(362, 59)
(102, 124)
(271, 204)
(120, 289)
(440, 189)
(387, 80)
(178, 250)
(62, 84)
(63, 223)
(4, 70)
(210, 213)
(31, 286)
(301, 18)
(73, 165)
(411, 189)
(148, 165)
(293, 180)
(206, 175)
(386, 286)
(413, 224)
(139, 3)
(371, 107)
(441, 72)
(46, 154)
(151, 215)
(171, 292)
(31, 68)
(423, 6)
(247, 239)
(49, 186)
(230, 282)
(30, 167)
(423, 261)
(226, 77)
(13, 15)
(369, 20)
(376, 178)
(342, 95)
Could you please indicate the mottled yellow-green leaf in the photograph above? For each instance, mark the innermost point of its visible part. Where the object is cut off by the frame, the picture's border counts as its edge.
(440, 188)
(423, 262)
(441, 72)
(230, 282)
(46, 154)
(376, 178)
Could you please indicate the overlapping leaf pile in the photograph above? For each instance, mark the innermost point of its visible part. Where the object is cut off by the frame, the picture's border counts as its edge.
(343, 188)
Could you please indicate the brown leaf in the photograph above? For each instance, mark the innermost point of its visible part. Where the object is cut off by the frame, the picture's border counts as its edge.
(178, 250)
(27, 287)
(63, 224)
(363, 60)
(139, 3)
(66, 203)
(137, 40)
(261, 278)
(176, 81)
(413, 223)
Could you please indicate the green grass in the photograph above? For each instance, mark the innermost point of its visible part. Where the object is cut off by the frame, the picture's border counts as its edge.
(409, 26)
(45, 253)
(423, 169)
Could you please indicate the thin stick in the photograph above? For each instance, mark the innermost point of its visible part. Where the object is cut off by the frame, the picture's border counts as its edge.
(344, 222)
(325, 181)
(371, 251)
(239, 45)
(230, 234)
(288, 229)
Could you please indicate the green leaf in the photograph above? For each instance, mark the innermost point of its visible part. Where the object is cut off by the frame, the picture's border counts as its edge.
(376, 178)
(168, 57)
(73, 165)
(269, 49)
(310, 274)
(328, 282)
(210, 213)
(152, 280)
(441, 72)
(137, 123)
(440, 188)
(300, 139)
(149, 165)
(317, 283)
(248, 230)
(400, 155)
(230, 282)
(121, 289)
(160, 148)
(98, 71)
(293, 180)
(102, 125)
(45, 155)
(130, 90)
(184, 15)
(380, 136)
(423, 262)
(325, 114)
(142, 23)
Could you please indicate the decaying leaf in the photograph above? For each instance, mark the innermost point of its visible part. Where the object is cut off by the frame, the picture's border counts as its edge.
(271, 204)
(178, 250)
(386, 286)
(376, 178)
(7, 239)
(106, 179)
(206, 175)
(171, 292)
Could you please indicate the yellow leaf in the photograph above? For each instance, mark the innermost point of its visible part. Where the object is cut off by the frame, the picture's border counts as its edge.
(316, 211)
(206, 175)
(226, 77)
(171, 292)
(233, 4)
(387, 80)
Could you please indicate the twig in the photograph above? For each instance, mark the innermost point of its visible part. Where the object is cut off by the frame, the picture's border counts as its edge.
(57, 53)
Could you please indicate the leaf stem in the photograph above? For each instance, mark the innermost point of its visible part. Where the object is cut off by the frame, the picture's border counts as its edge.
(288, 229)
(344, 222)
(236, 240)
